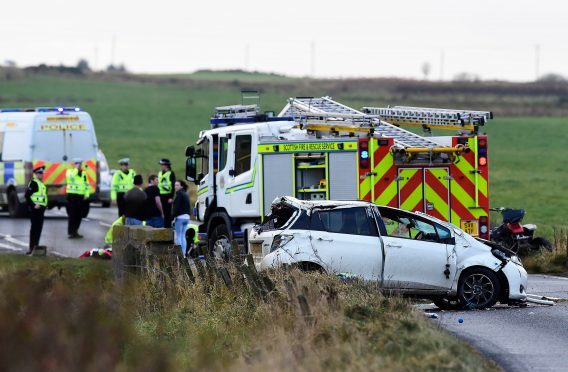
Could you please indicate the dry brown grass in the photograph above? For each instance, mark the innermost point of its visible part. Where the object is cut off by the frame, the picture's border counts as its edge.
(53, 319)
(555, 262)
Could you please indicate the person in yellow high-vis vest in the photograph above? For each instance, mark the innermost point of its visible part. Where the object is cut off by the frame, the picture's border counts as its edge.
(122, 181)
(166, 180)
(77, 195)
(36, 197)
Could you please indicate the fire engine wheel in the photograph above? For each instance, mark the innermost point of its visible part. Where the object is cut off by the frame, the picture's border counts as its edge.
(220, 243)
(15, 208)
(478, 288)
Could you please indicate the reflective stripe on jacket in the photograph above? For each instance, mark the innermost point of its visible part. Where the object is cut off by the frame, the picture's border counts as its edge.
(77, 184)
(40, 196)
(165, 182)
(122, 182)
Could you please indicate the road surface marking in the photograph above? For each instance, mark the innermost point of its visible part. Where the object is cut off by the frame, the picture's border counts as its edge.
(57, 254)
(105, 224)
(14, 240)
(6, 246)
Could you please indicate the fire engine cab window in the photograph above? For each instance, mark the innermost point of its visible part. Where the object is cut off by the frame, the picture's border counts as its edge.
(353, 221)
(223, 150)
(243, 154)
(205, 158)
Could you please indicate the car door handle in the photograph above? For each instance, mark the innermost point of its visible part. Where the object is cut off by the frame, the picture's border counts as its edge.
(325, 240)
(394, 245)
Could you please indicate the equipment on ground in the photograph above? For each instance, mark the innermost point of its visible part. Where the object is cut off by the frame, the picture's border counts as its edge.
(318, 148)
(50, 137)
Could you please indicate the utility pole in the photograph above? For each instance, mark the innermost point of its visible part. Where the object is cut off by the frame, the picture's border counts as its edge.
(313, 59)
(537, 61)
(442, 57)
(113, 50)
(246, 57)
(96, 61)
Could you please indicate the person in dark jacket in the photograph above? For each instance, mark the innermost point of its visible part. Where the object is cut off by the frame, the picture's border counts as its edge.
(36, 197)
(135, 203)
(154, 211)
(180, 214)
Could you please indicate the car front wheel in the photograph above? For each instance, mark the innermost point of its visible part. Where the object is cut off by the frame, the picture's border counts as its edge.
(478, 288)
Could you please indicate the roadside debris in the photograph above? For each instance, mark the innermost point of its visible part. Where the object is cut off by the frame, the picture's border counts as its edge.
(431, 315)
(542, 300)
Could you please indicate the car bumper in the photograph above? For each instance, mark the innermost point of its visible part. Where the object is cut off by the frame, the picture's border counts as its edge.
(518, 279)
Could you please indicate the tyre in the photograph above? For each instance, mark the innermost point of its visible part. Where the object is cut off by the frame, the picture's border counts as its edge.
(448, 304)
(15, 208)
(478, 288)
(220, 243)
(541, 243)
(105, 204)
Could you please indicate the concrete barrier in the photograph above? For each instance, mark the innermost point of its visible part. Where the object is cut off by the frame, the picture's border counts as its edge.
(134, 246)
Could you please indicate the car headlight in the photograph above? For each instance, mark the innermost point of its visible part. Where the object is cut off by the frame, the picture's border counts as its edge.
(280, 241)
(516, 260)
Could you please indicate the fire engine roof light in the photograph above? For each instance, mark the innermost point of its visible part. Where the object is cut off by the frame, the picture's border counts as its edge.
(60, 109)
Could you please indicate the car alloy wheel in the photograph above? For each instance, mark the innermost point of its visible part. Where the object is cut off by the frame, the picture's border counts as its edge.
(479, 289)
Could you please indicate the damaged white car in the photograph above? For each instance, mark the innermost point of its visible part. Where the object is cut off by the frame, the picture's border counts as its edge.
(404, 252)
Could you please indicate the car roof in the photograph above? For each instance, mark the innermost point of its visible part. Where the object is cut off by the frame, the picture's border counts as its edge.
(310, 204)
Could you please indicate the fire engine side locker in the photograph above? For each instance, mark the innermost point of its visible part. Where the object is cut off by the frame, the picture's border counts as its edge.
(276, 178)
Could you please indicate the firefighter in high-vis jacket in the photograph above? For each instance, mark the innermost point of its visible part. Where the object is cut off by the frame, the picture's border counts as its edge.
(122, 181)
(166, 180)
(36, 197)
(77, 195)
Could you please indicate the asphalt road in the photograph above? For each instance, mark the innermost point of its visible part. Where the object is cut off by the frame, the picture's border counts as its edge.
(14, 233)
(533, 338)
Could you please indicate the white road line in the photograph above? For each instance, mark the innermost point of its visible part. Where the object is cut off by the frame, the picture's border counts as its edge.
(6, 246)
(57, 254)
(15, 241)
(105, 224)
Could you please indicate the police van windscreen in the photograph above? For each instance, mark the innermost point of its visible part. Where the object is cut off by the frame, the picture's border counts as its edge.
(57, 142)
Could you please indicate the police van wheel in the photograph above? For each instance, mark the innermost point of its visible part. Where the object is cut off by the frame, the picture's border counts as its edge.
(15, 208)
(220, 243)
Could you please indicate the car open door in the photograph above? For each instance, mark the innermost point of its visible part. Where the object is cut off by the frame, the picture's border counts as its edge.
(346, 240)
(419, 253)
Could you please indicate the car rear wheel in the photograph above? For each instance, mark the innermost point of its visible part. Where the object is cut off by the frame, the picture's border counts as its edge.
(478, 288)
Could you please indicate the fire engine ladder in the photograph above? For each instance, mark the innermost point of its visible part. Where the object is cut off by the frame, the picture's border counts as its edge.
(432, 117)
(334, 115)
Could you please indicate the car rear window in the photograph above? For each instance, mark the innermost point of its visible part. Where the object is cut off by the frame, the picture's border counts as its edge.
(354, 221)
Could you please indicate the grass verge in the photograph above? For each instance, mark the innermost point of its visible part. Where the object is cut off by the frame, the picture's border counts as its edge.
(65, 314)
(555, 262)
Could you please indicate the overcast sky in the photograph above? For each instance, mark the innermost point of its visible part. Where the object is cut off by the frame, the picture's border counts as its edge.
(495, 39)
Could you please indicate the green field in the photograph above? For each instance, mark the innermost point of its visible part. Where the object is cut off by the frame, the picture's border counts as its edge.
(150, 119)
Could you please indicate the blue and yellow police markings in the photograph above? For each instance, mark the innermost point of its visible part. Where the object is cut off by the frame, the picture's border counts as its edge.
(12, 173)
(320, 146)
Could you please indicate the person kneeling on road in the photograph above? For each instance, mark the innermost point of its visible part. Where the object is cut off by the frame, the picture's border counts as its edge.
(135, 203)
(180, 213)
